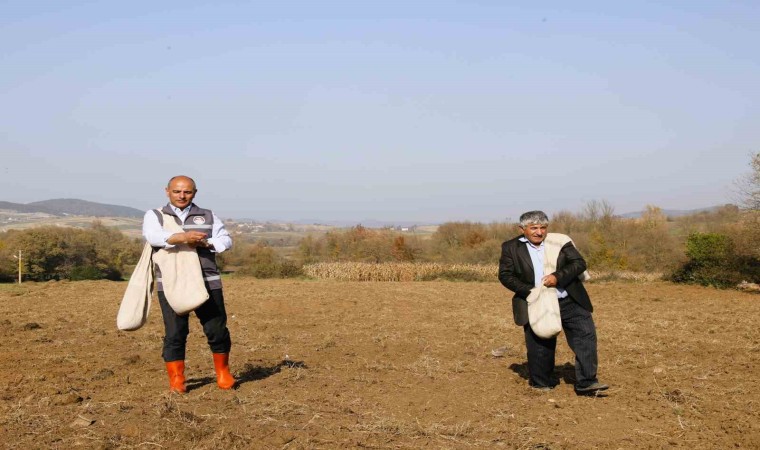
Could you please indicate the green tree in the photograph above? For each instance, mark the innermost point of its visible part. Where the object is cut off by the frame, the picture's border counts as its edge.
(57, 252)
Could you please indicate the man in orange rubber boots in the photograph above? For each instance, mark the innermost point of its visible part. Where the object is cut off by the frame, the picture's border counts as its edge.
(203, 231)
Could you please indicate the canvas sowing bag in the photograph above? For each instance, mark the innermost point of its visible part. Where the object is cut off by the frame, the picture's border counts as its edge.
(135, 305)
(543, 304)
(181, 273)
(543, 312)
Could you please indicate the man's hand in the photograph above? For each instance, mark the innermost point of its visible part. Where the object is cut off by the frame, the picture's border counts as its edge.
(191, 238)
(549, 281)
(203, 243)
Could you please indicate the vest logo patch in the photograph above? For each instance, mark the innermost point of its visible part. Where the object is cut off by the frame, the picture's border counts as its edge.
(199, 220)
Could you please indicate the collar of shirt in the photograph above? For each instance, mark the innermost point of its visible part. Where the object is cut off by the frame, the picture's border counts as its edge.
(181, 213)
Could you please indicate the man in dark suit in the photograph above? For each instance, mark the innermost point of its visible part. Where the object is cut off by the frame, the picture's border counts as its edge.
(520, 270)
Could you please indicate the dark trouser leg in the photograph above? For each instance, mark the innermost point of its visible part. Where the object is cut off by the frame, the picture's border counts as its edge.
(213, 317)
(540, 358)
(175, 329)
(581, 337)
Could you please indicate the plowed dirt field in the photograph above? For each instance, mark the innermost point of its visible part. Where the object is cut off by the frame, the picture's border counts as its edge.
(378, 365)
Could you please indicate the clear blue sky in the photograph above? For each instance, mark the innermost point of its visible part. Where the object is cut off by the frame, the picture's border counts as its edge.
(395, 110)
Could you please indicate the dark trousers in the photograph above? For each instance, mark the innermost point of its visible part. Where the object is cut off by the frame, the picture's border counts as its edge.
(580, 331)
(213, 317)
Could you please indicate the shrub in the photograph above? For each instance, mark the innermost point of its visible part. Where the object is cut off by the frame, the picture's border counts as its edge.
(263, 262)
(705, 249)
(713, 262)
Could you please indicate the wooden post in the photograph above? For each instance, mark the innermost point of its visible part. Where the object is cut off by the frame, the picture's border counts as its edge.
(19, 267)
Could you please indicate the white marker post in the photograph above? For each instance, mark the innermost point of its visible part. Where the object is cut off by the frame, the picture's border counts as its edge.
(19, 265)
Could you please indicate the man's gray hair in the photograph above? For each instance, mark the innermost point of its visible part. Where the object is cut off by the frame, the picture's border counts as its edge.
(533, 217)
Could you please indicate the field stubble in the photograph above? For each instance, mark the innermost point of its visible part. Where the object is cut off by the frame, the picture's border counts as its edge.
(328, 364)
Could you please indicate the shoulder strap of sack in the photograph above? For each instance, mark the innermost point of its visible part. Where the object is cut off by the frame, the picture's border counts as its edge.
(168, 222)
(553, 245)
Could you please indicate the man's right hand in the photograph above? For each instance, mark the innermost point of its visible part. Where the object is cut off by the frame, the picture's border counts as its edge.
(191, 238)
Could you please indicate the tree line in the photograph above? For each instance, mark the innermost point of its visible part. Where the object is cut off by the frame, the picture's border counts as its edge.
(719, 247)
(54, 253)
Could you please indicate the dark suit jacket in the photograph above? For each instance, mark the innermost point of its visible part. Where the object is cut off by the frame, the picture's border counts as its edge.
(516, 274)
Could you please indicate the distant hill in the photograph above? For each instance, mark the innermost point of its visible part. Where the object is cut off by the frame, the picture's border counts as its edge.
(673, 212)
(20, 207)
(73, 207)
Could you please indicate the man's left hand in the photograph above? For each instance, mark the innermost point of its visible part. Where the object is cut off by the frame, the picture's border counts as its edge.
(203, 243)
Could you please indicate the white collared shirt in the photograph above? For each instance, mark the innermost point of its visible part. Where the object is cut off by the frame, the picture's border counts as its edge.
(181, 213)
(537, 258)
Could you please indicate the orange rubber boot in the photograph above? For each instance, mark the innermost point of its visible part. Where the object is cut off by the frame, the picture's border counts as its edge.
(176, 370)
(224, 378)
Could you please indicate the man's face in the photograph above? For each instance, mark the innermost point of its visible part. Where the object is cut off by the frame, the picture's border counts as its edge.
(535, 233)
(181, 192)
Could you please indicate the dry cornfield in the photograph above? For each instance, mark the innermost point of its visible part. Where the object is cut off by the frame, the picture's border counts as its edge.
(401, 365)
(359, 271)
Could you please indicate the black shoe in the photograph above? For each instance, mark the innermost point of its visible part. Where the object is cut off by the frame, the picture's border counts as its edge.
(592, 388)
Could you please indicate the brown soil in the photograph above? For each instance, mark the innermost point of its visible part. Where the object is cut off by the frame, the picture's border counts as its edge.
(378, 365)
